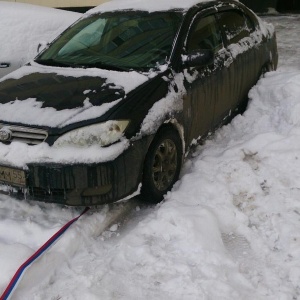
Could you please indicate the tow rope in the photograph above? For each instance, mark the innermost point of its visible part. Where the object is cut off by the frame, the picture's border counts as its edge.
(12, 285)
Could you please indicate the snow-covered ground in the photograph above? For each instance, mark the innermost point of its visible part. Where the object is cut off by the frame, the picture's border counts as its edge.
(230, 229)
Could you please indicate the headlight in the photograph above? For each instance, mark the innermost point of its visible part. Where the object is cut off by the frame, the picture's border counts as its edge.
(102, 134)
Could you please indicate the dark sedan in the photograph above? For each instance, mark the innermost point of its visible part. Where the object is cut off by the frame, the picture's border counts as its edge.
(113, 105)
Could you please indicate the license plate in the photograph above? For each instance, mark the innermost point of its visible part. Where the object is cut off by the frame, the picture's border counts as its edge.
(12, 176)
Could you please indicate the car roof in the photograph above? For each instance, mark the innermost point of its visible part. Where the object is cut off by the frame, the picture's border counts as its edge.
(147, 5)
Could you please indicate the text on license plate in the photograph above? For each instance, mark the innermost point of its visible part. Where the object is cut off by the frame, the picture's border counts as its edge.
(12, 176)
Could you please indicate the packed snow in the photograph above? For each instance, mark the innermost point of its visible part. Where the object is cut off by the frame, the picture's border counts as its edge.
(229, 229)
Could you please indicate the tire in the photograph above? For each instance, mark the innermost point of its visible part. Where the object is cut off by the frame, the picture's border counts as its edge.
(162, 165)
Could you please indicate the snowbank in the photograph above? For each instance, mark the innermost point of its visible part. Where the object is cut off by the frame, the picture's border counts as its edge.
(24, 26)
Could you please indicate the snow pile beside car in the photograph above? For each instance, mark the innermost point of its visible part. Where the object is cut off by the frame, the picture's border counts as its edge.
(24, 26)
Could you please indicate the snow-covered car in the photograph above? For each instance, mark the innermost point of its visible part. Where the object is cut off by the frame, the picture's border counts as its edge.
(23, 27)
(113, 105)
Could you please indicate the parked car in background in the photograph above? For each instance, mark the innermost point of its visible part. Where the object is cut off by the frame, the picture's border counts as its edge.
(23, 27)
(112, 106)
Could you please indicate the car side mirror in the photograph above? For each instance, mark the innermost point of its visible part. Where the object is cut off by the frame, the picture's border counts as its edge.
(199, 58)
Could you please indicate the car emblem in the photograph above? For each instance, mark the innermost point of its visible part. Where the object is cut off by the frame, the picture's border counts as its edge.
(5, 134)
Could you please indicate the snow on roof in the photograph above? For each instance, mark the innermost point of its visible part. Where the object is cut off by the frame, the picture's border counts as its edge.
(145, 5)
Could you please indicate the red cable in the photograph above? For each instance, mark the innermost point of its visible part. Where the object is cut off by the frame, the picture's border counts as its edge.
(12, 284)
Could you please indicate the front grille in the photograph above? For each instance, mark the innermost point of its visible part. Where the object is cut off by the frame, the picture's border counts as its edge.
(53, 196)
(43, 193)
(31, 136)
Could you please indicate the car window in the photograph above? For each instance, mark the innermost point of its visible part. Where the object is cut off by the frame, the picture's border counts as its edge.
(205, 34)
(129, 40)
(234, 25)
(84, 39)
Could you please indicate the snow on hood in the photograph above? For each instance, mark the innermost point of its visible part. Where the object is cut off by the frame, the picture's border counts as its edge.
(48, 116)
(128, 80)
(36, 114)
(145, 5)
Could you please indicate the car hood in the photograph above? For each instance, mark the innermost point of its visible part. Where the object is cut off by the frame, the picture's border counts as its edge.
(56, 97)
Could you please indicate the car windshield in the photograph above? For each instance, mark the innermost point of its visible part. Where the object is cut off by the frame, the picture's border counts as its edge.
(117, 41)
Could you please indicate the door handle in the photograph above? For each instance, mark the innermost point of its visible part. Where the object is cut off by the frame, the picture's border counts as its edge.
(4, 65)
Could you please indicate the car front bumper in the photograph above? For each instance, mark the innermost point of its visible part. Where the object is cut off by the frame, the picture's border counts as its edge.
(87, 184)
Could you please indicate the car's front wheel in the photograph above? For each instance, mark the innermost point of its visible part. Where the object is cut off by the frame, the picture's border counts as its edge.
(162, 165)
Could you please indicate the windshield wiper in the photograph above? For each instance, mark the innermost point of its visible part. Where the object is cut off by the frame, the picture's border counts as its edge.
(101, 65)
(51, 62)
(106, 66)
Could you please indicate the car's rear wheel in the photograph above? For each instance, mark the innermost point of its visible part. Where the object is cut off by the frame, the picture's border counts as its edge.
(162, 165)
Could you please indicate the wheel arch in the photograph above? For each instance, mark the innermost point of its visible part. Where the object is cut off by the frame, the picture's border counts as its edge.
(168, 129)
(176, 126)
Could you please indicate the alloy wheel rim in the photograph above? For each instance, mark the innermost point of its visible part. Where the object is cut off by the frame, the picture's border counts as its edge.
(164, 165)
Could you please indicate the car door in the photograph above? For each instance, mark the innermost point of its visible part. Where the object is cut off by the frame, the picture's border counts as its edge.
(206, 84)
(243, 68)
